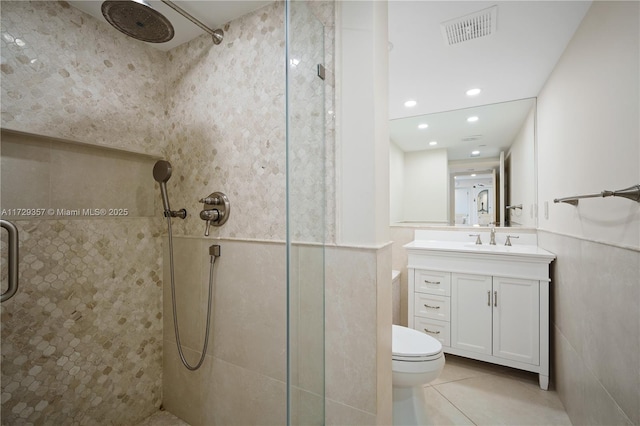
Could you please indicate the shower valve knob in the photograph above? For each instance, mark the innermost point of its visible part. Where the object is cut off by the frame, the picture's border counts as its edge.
(211, 201)
(215, 216)
(210, 215)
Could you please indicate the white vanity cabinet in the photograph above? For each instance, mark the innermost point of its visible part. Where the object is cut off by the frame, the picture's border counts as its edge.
(486, 303)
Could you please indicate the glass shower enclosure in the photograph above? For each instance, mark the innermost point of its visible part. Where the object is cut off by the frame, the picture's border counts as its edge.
(306, 212)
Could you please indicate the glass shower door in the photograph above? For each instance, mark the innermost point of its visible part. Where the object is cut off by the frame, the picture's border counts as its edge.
(305, 214)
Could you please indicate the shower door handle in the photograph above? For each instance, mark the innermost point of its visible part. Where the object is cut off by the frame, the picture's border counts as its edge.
(13, 260)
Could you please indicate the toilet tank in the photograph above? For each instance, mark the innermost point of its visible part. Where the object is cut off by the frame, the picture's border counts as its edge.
(395, 289)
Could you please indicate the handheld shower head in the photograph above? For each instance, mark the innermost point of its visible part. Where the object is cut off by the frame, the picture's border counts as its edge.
(162, 173)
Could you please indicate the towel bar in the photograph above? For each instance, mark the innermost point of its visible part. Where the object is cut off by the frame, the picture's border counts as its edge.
(632, 193)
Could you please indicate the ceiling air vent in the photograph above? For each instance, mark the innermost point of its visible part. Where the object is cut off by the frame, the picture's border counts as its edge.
(469, 27)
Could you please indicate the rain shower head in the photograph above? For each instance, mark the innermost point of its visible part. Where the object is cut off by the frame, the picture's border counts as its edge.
(137, 19)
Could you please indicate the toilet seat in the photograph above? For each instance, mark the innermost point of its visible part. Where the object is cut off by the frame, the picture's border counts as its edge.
(410, 345)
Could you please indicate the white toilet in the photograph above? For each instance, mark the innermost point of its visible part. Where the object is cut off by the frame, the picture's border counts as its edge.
(417, 359)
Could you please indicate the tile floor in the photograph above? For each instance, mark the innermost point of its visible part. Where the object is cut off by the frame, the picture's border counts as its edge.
(470, 392)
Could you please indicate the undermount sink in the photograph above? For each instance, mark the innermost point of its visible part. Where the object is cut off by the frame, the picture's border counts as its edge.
(502, 248)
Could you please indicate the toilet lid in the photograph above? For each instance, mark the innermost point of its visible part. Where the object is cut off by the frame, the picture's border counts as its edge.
(408, 343)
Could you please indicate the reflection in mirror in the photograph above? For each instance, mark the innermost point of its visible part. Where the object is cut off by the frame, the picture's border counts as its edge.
(474, 197)
(434, 156)
(483, 202)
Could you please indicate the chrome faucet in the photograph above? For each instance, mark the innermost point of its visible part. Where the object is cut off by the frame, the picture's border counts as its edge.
(492, 229)
(478, 240)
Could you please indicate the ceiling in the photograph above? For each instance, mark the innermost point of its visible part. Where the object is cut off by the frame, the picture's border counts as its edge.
(212, 13)
(497, 126)
(512, 63)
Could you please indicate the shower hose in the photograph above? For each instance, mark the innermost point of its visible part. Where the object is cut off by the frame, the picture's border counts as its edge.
(175, 313)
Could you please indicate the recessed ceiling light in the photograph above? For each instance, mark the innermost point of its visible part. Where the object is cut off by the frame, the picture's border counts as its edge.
(475, 153)
(473, 92)
(473, 175)
(472, 119)
(433, 143)
(423, 126)
(410, 103)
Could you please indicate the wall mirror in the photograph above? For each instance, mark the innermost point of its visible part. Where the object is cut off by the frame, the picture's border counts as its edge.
(437, 54)
(468, 167)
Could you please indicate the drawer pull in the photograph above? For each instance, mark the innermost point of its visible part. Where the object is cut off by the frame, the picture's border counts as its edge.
(432, 282)
(426, 330)
(431, 307)
(489, 298)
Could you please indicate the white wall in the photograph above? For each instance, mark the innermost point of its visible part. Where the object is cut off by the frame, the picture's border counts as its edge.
(522, 185)
(588, 128)
(362, 127)
(396, 182)
(426, 185)
(588, 140)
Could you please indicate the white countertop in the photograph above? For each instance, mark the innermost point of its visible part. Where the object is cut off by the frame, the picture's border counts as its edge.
(470, 247)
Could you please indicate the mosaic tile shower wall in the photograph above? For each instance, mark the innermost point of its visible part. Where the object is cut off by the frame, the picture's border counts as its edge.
(227, 128)
(85, 81)
(82, 339)
(226, 131)
(76, 347)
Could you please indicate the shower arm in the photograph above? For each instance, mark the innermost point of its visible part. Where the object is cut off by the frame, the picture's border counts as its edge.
(217, 35)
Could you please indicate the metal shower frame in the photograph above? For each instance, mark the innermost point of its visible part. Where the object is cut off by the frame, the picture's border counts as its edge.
(216, 35)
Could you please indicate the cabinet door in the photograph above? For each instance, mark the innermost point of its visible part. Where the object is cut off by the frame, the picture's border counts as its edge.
(471, 312)
(516, 320)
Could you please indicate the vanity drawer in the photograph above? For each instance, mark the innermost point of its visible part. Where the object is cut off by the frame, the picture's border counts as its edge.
(433, 282)
(432, 306)
(439, 329)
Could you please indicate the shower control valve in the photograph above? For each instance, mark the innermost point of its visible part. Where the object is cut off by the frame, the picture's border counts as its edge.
(211, 201)
(217, 215)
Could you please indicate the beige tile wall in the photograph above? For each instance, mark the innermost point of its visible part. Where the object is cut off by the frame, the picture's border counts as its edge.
(38, 173)
(243, 379)
(358, 335)
(596, 332)
(249, 331)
